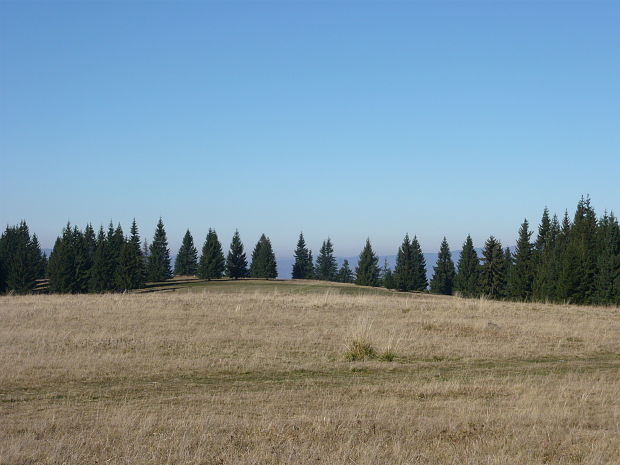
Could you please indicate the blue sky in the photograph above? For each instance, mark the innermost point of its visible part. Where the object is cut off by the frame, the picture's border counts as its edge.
(347, 119)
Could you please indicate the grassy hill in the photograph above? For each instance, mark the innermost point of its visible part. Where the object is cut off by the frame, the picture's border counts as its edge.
(255, 372)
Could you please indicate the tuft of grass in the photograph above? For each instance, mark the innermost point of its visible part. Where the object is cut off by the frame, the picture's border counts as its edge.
(388, 355)
(359, 349)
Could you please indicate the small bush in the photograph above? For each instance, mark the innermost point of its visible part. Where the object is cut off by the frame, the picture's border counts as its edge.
(388, 355)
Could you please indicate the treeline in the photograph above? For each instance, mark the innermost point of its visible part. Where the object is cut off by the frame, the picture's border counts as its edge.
(574, 261)
(109, 261)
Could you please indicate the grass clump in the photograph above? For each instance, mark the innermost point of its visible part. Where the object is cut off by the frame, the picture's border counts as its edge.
(359, 349)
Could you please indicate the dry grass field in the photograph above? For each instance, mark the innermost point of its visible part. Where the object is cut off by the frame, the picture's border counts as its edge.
(257, 375)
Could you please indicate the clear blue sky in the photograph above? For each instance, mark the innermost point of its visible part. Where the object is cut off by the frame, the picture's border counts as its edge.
(344, 119)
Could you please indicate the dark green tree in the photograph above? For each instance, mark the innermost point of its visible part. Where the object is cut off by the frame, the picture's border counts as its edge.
(263, 260)
(576, 282)
(21, 258)
(158, 268)
(302, 268)
(367, 271)
(521, 273)
(466, 280)
(236, 263)
(130, 271)
(607, 291)
(493, 270)
(547, 264)
(387, 277)
(186, 263)
(103, 269)
(403, 272)
(345, 274)
(326, 267)
(212, 263)
(66, 271)
(419, 282)
(443, 276)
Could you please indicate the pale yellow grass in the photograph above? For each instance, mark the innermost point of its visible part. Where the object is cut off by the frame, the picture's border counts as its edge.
(260, 378)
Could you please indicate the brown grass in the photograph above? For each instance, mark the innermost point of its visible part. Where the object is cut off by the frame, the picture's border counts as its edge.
(260, 377)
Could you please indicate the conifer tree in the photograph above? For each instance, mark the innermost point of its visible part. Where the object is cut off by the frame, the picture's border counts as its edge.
(236, 263)
(608, 262)
(576, 282)
(403, 272)
(521, 274)
(367, 271)
(263, 260)
(212, 262)
(443, 276)
(130, 271)
(419, 282)
(102, 270)
(21, 258)
(158, 268)
(468, 270)
(547, 264)
(302, 268)
(186, 263)
(387, 277)
(310, 266)
(345, 274)
(541, 239)
(326, 267)
(116, 239)
(493, 270)
(65, 272)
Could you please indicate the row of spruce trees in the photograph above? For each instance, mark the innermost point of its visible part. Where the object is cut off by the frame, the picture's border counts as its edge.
(569, 261)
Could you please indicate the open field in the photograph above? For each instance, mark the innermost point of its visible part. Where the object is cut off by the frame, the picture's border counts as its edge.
(251, 373)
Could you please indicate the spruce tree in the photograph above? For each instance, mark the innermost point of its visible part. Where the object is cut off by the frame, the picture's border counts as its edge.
(576, 281)
(493, 270)
(326, 266)
(212, 263)
(21, 258)
(403, 272)
(130, 270)
(468, 270)
(443, 276)
(521, 274)
(63, 276)
(263, 260)
(186, 263)
(367, 271)
(608, 262)
(302, 268)
(103, 268)
(236, 264)
(546, 263)
(345, 274)
(158, 268)
(387, 277)
(309, 273)
(419, 281)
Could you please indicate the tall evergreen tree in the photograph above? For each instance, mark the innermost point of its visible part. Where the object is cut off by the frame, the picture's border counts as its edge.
(576, 282)
(66, 273)
(158, 268)
(326, 266)
(309, 273)
(521, 274)
(367, 271)
(547, 264)
(263, 260)
(345, 274)
(607, 289)
(493, 270)
(419, 283)
(302, 268)
(21, 258)
(443, 276)
(102, 270)
(468, 270)
(212, 262)
(130, 271)
(236, 263)
(403, 272)
(186, 263)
